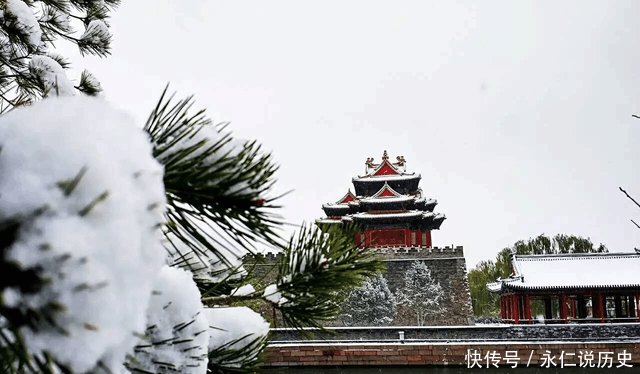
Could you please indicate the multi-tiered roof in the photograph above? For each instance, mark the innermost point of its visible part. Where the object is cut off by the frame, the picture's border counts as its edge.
(386, 197)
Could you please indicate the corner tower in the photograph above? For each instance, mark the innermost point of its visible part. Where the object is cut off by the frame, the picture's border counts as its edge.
(388, 207)
(394, 219)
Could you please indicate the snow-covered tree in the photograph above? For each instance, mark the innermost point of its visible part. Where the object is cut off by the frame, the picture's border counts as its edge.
(371, 304)
(421, 293)
(113, 241)
(29, 29)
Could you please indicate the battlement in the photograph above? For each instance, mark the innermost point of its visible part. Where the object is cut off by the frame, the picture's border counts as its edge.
(385, 252)
(267, 257)
(457, 251)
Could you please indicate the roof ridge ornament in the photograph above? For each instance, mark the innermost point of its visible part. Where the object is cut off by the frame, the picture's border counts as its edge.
(401, 163)
(385, 155)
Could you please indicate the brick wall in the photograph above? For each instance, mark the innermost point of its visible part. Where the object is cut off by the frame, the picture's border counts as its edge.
(461, 354)
(560, 332)
(448, 268)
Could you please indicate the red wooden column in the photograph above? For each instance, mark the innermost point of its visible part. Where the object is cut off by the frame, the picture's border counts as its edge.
(515, 299)
(527, 308)
(563, 308)
(503, 311)
(507, 306)
(599, 305)
(638, 306)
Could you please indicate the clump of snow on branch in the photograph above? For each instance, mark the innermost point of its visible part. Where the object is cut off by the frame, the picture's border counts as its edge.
(80, 177)
(371, 304)
(235, 328)
(52, 75)
(272, 294)
(245, 290)
(177, 334)
(421, 293)
(19, 16)
(97, 33)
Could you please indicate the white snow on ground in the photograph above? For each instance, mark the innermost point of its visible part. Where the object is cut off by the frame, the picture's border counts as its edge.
(52, 75)
(239, 324)
(175, 317)
(101, 259)
(21, 16)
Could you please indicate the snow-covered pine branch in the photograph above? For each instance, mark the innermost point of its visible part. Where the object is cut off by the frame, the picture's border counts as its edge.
(317, 269)
(28, 31)
(81, 202)
(83, 210)
(217, 187)
(177, 334)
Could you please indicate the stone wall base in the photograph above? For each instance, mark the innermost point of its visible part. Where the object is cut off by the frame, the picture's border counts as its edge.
(484, 355)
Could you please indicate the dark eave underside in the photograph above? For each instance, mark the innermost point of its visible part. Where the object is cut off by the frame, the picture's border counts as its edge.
(566, 289)
(369, 187)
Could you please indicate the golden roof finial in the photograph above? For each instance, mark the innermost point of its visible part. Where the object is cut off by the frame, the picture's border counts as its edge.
(385, 156)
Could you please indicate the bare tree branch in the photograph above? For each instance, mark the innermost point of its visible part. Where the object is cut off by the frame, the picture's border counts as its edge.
(634, 222)
(635, 116)
(631, 198)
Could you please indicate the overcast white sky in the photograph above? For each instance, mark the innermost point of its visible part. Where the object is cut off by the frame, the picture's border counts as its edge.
(517, 114)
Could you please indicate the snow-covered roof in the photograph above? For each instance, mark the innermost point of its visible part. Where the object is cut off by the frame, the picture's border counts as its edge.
(394, 199)
(407, 214)
(328, 220)
(426, 201)
(344, 206)
(566, 271)
(387, 194)
(378, 178)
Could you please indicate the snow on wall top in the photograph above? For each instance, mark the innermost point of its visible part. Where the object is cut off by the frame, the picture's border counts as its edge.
(573, 271)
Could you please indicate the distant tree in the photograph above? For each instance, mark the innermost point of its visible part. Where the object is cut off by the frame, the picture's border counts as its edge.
(486, 303)
(421, 293)
(371, 304)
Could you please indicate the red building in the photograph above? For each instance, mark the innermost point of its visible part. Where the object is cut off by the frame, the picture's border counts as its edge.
(571, 288)
(388, 207)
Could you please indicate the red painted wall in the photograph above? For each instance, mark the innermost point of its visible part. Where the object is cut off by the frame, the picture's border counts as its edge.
(393, 238)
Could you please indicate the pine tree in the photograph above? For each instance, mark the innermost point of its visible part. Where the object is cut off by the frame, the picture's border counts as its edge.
(371, 304)
(420, 293)
(29, 29)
